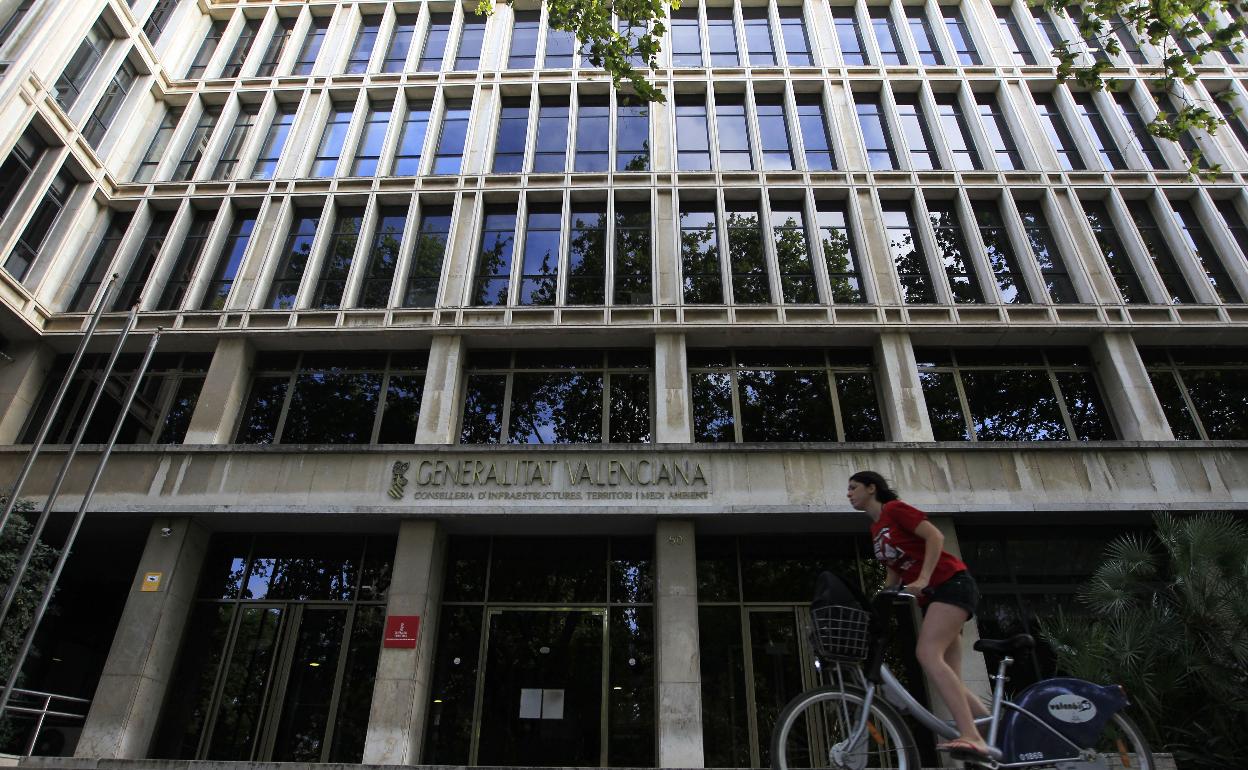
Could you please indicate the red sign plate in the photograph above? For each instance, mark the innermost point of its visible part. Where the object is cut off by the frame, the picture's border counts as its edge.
(401, 631)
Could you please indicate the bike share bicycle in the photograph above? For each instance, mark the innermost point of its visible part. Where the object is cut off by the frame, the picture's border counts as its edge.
(854, 721)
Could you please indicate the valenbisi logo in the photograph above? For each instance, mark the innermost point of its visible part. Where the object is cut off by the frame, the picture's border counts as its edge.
(1071, 708)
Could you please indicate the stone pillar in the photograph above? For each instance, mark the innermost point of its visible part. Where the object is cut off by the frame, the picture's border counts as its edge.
(396, 722)
(137, 674)
(221, 400)
(1124, 379)
(23, 382)
(974, 670)
(905, 410)
(673, 422)
(440, 402)
(678, 655)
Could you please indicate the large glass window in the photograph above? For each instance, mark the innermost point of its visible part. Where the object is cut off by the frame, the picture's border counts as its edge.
(206, 49)
(312, 43)
(960, 34)
(196, 144)
(1000, 252)
(1004, 151)
(733, 133)
(914, 129)
(110, 103)
(98, 269)
(372, 136)
(158, 17)
(686, 38)
(874, 133)
(551, 152)
(773, 131)
(435, 42)
(427, 257)
(400, 43)
(382, 257)
(332, 138)
(453, 142)
(334, 398)
(539, 271)
(188, 260)
(1098, 131)
(365, 39)
(283, 31)
(632, 254)
(816, 141)
(40, 225)
(840, 253)
(699, 254)
(1115, 253)
(722, 35)
(758, 44)
(82, 64)
(793, 33)
(1207, 255)
(1144, 140)
(953, 252)
(294, 259)
(848, 36)
(468, 56)
(1012, 394)
(244, 121)
(1235, 222)
(513, 132)
(1203, 391)
(229, 261)
(274, 142)
(498, 234)
(1013, 35)
(336, 265)
(693, 149)
(797, 273)
(1059, 137)
(921, 33)
(632, 135)
(1048, 257)
(19, 166)
(587, 254)
(412, 139)
(783, 394)
(956, 133)
(907, 254)
(144, 260)
(242, 46)
(566, 397)
(593, 134)
(886, 36)
(524, 31)
(747, 261)
(560, 49)
(1159, 251)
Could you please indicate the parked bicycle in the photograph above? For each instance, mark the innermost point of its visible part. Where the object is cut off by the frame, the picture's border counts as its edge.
(854, 721)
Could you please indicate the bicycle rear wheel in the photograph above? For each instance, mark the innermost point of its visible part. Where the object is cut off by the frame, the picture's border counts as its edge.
(1120, 745)
(814, 730)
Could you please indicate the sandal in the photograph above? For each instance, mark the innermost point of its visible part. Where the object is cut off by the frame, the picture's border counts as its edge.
(964, 748)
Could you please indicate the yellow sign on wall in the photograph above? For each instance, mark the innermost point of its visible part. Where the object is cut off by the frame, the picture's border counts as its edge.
(151, 581)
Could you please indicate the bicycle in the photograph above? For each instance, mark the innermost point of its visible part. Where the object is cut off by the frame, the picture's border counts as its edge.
(854, 721)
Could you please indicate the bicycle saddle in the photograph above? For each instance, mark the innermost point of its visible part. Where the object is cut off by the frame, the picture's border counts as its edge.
(1016, 643)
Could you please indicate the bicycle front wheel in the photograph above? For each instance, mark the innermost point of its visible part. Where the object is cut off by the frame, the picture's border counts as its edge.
(815, 731)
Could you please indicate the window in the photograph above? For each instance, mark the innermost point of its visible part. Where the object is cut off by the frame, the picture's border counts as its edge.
(960, 34)
(435, 42)
(587, 254)
(1102, 139)
(206, 49)
(793, 33)
(383, 257)
(1187, 140)
(15, 19)
(1234, 222)
(908, 258)
(158, 18)
(1159, 250)
(699, 254)
(427, 257)
(144, 260)
(1204, 392)
(1019, 394)
(632, 135)
(327, 294)
(773, 131)
(1048, 257)
(110, 103)
(334, 398)
(453, 141)
(294, 260)
(560, 49)
(468, 57)
(282, 33)
(229, 260)
(747, 262)
(815, 138)
(924, 40)
(733, 143)
(539, 269)
(1067, 155)
(1013, 34)
(82, 65)
(227, 164)
(246, 37)
(400, 43)
(693, 149)
(98, 269)
(874, 133)
(722, 35)
(1144, 141)
(1207, 255)
(1001, 258)
(848, 36)
(513, 131)
(914, 129)
(784, 394)
(312, 43)
(1048, 28)
(593, 134)
(271, 151)
(550, 154)
(632, 254)
(197, 143)
(886, 36)
(20, 166)
(332, 138)
(179, 281)
(524, 31)
(373, 135)
(1004, 151)
(953, 253)
(686, 38)
(412, 139)
(1092, 46)
(1120, 267)
(1129, 44)
(758, 45)
(40, 225)
(1225, 102)
(365, 39)
(498, 235)
(839, 252)
(797, 273)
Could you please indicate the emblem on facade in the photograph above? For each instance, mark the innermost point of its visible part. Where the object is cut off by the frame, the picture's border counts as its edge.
(399, 479)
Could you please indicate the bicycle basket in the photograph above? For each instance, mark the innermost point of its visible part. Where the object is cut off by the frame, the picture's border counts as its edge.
(840, 633)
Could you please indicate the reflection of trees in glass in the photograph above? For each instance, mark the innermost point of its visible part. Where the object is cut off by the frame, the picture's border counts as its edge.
(587, 258)
(797, 277)
(951, 247)
(556, 409)
(454, 682)
(1088, 415)
(860, 408)
(632, 255)
(483, 409)
(375, 291)
(355, 698)
(494, 262)
(1016, 405)
(1221, 400)
(779, 405)
(944, 408)
(746, 260)
(1001, 259)
(332, 407)
(630, 408)
(242, 692)
(427, 256)
(711, 394)
(298, 249)
(1116, 257)
(630, 704)
(699, 255)
(539, 279)
(264, 407)
(911, 265)
(337, 264)
(402, 409)
(843, 278)
(201, 659)
(637, 161)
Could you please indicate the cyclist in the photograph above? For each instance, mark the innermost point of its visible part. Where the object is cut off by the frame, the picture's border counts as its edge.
(911, 548)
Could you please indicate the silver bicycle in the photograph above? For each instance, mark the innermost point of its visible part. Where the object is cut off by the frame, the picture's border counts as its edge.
(854, 720)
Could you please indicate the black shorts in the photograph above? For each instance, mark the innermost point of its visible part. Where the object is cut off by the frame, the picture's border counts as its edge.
(959, 590)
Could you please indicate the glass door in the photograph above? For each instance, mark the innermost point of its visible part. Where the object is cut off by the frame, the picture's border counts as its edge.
(779, 668)
(542, 689)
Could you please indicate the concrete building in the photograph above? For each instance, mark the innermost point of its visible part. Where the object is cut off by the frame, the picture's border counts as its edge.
(558, 392)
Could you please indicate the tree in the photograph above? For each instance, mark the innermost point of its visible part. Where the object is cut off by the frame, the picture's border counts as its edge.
(1168, 620)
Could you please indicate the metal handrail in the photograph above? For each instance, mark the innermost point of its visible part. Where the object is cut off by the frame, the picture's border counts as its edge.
(43, 711)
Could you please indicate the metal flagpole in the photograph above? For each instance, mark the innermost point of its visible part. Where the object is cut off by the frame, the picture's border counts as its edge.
(48, 590)
(101, 303)
(11, 591)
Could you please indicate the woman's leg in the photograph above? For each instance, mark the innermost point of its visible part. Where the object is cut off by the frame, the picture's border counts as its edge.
(941, 626)
(953, 656)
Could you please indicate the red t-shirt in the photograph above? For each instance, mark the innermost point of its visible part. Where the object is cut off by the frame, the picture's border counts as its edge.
(897, 546)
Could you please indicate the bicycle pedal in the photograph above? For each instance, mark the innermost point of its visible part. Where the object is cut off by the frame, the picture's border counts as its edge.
(973, 759)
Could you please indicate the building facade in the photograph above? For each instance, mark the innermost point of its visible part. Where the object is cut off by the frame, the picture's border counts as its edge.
(499, 418)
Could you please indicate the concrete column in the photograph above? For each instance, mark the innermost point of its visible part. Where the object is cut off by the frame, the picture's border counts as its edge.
(974, 670)
(396, 722)
(673, 422)
(1132, 400)
(221, 400)
(22, 383)
(905, 410)
(139, 669)
(678, 655)
(443, 381)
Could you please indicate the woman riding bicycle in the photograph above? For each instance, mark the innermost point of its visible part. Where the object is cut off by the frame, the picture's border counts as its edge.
(912, 549)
